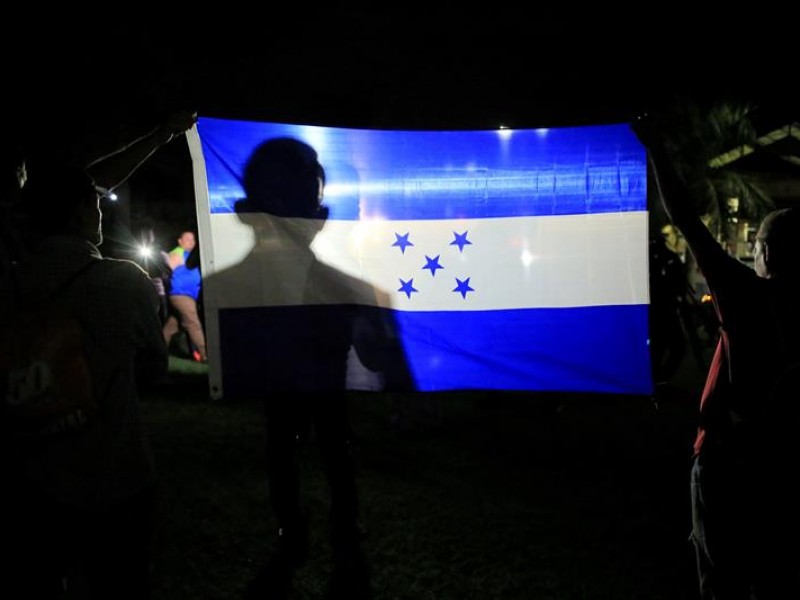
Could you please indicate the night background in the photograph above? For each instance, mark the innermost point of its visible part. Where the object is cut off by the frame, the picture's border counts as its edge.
(106, 78)
(545, 497)
(436, 68)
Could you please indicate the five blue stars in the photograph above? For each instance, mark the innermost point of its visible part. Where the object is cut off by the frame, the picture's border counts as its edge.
(432, 264)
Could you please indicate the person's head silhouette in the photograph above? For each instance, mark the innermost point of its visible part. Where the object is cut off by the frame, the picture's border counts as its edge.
(61, 198)
(284, 178)
(776, 250)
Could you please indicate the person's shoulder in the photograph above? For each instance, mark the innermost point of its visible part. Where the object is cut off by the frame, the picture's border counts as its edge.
(343, 286)
(128, 282)
(123, 271)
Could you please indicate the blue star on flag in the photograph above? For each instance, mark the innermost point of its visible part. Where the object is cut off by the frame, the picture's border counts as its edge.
(460, 241)
(432, 264)
(402, 242)
(463, 287)
(407, 287)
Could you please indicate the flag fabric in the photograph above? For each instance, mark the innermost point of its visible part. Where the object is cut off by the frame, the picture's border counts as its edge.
(509, 259)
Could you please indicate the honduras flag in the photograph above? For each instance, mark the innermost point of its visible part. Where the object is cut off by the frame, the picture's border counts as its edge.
(509, 259)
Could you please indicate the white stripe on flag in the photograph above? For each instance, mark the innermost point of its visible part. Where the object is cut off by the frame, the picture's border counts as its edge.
(469, 264)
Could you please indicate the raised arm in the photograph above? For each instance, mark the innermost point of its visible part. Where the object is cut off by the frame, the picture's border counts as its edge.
(675, 196)
(113, 169)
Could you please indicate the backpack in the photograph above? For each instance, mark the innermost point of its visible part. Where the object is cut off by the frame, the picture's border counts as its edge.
(44, 373)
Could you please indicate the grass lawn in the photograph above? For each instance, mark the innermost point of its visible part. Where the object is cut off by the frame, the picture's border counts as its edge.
(513, 497)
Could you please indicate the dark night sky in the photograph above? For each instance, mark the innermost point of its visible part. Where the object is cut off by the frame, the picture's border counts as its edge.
(440, 68)
(88, 87)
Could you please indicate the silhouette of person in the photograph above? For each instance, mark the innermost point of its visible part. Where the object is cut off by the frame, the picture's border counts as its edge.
(693, 315)
(668, 284)
(318, 320)
(107, 171)
(80, 505)
(745, 519)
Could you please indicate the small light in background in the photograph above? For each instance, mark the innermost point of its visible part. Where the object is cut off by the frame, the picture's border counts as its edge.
(112, 196)
(145, 251)
(504, 131)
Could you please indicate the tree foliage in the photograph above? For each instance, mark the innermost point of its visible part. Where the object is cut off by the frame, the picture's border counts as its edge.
(694, 133)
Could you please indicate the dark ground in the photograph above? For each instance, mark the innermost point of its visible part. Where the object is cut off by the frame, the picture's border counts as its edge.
(514, 496)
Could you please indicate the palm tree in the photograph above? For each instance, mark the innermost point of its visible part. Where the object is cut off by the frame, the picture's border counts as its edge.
(695, 133)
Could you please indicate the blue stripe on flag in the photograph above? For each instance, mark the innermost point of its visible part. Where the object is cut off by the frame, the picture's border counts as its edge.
(446, 175)
(597, 349)
(592, 349)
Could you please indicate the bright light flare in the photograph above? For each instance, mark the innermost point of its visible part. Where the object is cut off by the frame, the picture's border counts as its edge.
(504, 132)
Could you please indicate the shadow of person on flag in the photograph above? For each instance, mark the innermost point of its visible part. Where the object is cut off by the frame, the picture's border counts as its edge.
(296, 329)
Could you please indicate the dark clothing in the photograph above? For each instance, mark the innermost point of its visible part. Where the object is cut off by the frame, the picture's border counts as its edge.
(304, 379)
(744, 500)
(118, 310)
(289, 419)
(81, 503)
(668, 288)
(317, 323)
(745, 518)
(744, 528)
(315, 327)
(760, 329)
(95, 553)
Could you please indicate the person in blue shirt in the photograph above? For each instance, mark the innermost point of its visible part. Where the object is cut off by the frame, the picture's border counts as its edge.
(184, 294)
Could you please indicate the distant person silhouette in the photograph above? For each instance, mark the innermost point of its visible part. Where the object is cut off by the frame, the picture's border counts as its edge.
(318, 321)
(668, 286)
(185, 284)
(745, 500)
